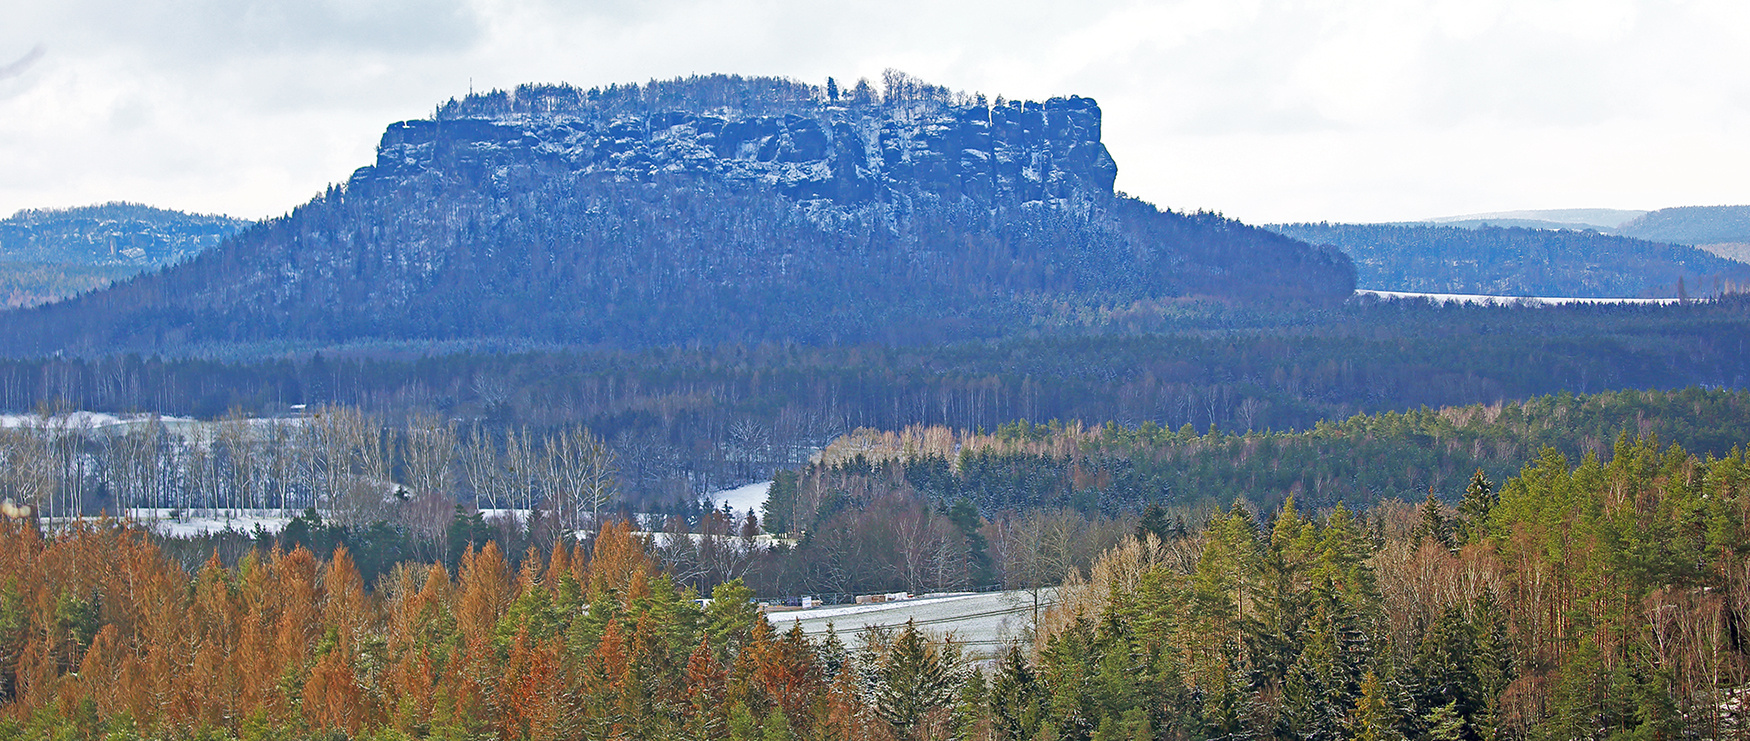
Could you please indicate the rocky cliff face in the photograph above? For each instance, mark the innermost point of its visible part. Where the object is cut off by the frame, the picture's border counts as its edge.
(846, 153)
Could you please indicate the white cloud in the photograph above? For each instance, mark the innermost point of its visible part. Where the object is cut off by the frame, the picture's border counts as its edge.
(1263, 109)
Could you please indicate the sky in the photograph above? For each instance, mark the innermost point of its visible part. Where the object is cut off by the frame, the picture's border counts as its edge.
(1264, 110)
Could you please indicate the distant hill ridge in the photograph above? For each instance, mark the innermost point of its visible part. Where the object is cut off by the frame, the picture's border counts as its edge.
(1686, 225)
(115, 233)
(1601, 219)
(703, 209)
(1518, 261)
(1693, 225)
(50, 254)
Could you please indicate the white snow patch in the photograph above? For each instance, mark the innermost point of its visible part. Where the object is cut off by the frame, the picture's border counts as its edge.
(984, 623)
(1470, 298)
(194, 523)
(742, 498)
(72, 421)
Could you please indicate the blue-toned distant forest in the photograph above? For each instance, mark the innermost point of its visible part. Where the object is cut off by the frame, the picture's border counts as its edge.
(1515, 261)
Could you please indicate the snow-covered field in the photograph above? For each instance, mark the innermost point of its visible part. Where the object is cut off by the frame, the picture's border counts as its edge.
(742, 498)
(1468, 298)
(98, 423)
(204, 522)
(984, 622)
(75, 420)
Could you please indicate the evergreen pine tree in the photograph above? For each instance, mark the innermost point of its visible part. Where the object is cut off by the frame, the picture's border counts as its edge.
(970, 708)
(1473, 510)
(1154, 521)
(912, 679)
(1443, 670)
(1373, 718)
(1433, 525)
(1491, 664)
(741, 724)
(1108, 730)
(777, 727)
(1016, 701)
(1136, 725)
(1444, 723)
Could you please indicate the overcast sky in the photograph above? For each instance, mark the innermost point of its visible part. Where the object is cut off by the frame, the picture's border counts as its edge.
(1351, 110)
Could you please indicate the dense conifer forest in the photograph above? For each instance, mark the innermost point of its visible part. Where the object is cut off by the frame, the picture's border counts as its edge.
(1112, 469)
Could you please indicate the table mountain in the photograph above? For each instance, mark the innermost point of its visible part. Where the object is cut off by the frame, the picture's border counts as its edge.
(706, 209)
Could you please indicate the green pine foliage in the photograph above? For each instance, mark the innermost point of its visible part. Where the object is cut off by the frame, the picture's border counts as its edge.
(1582, 608)
(1432, 454)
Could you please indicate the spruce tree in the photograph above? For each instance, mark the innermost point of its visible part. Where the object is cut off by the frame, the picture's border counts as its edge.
(1491, 664)
(1433, 525)
(912, 679)
(1154, 521)
(1443, 670)
(1016, 707)
(1473, 510)
(1444, 723)
(1373, 718)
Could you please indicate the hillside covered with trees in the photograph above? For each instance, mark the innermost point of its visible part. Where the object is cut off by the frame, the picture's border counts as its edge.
(1515, 261)
(1693, 225)
(923, 509)
(50, 254)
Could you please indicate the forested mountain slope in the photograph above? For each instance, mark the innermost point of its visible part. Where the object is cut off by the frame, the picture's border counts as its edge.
(1515, 261)
(1695, 225)
(46, 254)
(702, 209)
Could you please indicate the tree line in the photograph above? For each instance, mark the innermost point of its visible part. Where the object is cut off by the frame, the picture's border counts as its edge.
(1364, 459)
(352, 466)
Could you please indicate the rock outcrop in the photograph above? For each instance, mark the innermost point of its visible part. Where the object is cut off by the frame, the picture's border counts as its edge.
(849, 153)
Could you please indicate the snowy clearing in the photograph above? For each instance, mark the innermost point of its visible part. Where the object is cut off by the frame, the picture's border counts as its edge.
(1469, 298)
(72, 421)
(983, 622)
(741, 498)
(195, 523)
